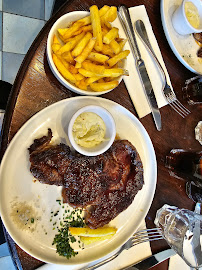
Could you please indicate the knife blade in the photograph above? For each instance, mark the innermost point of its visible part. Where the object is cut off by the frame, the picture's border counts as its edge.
(125, 19)
(152, 260)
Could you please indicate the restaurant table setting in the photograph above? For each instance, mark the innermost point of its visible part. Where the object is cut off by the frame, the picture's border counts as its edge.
(166, 135)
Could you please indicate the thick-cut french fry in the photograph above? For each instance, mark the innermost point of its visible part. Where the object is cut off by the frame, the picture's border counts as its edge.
(110, 15)
(113, 72)
(86, 51)
(72, 29)
(99, 69)
(101, 80)
(55, 40)
(102, 12)
(71, 44)
(96, 24)
(61, 68)
(78, 77)
(112, 61)
(86, 28)
(86, 231)
(115, 46)
(56, 47)
(64, 62)
(89, 240)
(56, 44)
(68, 57)
(107, 50)
(112, 34)
(85, 20)
(98, 87)
(81, 44)
(104, 31)
(122, 43)
(108, 25)
(61, 32)
(73, 70)
(78, 65)
(92, 79)
(81, 84)
(87, 73)
(97, 57)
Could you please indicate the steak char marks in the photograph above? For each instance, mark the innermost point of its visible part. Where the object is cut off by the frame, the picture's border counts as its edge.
(108, 182)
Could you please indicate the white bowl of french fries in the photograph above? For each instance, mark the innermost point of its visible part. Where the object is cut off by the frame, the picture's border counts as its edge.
(85, 52)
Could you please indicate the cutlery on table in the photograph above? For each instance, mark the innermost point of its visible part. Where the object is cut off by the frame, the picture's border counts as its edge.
(168, 93)
(125, 19)
(138, 238)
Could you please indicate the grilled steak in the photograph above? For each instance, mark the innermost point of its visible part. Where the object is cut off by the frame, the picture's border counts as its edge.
(108, 182)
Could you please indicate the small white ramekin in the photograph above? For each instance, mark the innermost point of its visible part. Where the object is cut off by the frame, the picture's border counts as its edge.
(109, 136)
(180, 21)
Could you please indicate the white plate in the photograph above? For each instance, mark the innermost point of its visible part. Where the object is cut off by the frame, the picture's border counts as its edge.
(184, 47)
(17, 185)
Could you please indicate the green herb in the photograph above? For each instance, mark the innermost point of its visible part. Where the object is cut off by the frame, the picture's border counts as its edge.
(32, 220)
(63, 239)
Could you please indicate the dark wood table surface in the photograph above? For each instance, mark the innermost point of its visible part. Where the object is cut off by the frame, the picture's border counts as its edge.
(36, 87)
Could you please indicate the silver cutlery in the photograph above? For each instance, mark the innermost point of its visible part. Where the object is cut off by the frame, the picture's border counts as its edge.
(169, 94)
(138, 238)
(124, 16)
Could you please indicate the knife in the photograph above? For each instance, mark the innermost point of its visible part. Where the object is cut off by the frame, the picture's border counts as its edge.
(152, 260)
(124, 16)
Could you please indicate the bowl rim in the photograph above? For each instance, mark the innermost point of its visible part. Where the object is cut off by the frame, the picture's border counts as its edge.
(52, 66)
(83, 150)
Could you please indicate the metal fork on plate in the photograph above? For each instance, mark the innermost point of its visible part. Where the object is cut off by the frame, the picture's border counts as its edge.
(137, 238)
(168, 92)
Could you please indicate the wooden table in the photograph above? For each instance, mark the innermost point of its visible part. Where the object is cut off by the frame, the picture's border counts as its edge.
(36, 87)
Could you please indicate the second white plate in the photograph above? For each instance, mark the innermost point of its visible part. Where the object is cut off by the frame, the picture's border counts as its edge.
(184, 47)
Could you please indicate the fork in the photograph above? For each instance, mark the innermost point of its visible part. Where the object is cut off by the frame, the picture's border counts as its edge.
(137, 238)
(168, 92)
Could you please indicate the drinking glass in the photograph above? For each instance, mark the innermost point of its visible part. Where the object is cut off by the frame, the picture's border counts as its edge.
(186, 165)
(182, 229)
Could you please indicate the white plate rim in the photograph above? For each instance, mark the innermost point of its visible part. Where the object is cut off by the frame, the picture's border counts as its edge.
(140, 126)
(170, 40)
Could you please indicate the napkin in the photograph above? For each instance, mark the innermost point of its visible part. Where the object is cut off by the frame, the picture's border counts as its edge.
(132, 82)
(127, 257)
(176, 263)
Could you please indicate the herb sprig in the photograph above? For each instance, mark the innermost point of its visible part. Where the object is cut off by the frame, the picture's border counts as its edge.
(63, 239)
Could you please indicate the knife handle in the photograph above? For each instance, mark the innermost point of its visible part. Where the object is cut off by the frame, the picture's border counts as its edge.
(124, 16)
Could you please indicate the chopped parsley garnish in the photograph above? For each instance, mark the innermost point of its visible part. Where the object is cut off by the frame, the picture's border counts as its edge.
(63, 239)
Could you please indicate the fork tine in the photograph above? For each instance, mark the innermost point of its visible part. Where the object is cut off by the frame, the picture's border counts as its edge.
(174, 107)
(147, 232)
(140, 241)
(175, 104)
(180, 104)
(145, 236)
